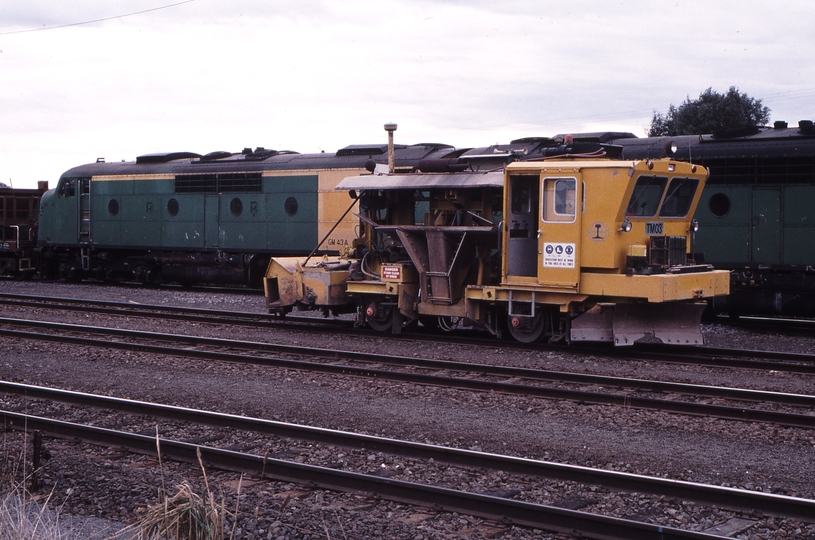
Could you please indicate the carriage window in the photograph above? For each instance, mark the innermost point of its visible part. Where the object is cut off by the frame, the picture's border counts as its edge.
(679, 197)
(559, 199)
(646, 196)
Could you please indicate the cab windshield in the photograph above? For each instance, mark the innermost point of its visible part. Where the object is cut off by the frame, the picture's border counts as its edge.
(679, 197)
(646, 196)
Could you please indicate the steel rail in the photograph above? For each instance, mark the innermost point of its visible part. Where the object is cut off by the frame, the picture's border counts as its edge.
(784, 325)
(441, 499)
(625, 400)
(243, 318)
(739, 499)
(448, 365)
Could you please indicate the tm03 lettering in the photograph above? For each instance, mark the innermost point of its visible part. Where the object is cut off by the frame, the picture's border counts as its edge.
(654, 228)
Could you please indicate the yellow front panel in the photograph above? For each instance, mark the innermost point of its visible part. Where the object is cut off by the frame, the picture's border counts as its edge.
(603, 243)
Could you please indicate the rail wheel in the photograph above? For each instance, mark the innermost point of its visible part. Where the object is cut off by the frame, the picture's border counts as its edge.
(379, 316)
(527, 329)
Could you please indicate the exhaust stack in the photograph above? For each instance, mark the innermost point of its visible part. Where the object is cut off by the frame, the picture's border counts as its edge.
(390, 128)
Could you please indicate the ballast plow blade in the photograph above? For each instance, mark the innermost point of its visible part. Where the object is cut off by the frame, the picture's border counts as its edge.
(626, 324)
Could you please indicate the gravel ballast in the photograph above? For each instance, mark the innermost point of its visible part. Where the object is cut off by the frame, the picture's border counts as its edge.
(98, 482)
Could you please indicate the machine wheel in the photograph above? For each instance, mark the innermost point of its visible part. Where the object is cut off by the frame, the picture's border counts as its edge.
(527, 329)
(379, 317)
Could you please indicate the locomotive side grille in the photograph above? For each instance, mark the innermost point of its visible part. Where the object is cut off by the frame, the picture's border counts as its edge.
(218, 183)
(761, 170)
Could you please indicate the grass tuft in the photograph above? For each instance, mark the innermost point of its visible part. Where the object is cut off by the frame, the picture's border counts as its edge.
(22, 518)
(184, 516)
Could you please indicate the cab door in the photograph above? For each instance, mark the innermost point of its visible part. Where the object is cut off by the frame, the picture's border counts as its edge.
(766, 226)
(212, 230)
(522, 227)
(560, 231)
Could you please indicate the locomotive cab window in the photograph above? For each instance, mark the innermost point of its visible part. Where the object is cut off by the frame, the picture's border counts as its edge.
(679, 197)
(67, 187)
(559, 199)
(646, 196)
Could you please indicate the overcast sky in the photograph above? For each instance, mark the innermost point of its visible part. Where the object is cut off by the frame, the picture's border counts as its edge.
(206, 75)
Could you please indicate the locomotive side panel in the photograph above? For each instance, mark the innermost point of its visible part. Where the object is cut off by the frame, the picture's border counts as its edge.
(59, 214)
(124, 212)
(725, 230)
(766, 219)
(240, 221)
(799, 225)
(291, 214)
(333, 205)
(186, 221)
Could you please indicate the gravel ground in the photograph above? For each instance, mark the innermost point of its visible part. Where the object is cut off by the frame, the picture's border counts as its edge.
(90, 481)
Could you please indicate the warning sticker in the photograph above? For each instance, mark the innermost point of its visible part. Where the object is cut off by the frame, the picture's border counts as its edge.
(391, 272)
(557, 255)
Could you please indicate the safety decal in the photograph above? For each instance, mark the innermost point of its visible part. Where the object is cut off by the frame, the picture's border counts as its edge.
(557, 255)
(597, 232)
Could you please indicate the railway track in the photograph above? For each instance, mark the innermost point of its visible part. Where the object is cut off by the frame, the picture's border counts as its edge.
(702, 355)
(581, 388)
(298, 383)
(776, 325)
(489, 507)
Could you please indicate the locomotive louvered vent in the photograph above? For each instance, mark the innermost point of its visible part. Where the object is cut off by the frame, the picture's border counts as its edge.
(218, 182)
(761, 170)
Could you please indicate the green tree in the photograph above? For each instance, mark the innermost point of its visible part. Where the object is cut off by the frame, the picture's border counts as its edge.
(710, 113)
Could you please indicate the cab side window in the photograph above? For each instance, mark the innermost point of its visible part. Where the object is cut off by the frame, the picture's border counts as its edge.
(559, 199)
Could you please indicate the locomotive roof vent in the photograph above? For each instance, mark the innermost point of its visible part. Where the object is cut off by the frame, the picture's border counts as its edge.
(805, 127)
(261, 153)
(216, 155)
(366, 149)
(735, 132)
(779, 124)
(164, 158)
